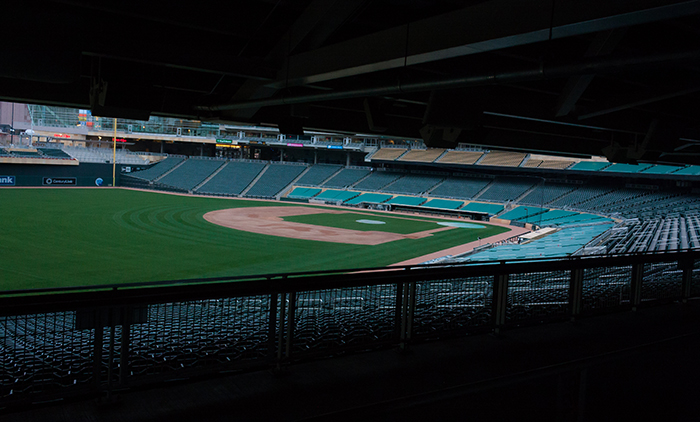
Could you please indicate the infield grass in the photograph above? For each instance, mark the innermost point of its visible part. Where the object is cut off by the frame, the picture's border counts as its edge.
(397, 225)
(63, 237)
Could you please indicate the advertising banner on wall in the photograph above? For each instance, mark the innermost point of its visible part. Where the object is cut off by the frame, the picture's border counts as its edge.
(7, 180)
(59, 181)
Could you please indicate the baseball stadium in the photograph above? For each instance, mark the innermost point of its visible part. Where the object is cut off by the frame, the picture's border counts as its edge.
(353, 220)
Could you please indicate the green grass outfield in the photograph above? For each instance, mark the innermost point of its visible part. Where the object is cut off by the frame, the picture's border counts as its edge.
(81, 237)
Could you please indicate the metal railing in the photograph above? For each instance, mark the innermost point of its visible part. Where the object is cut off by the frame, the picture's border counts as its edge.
(91, 341)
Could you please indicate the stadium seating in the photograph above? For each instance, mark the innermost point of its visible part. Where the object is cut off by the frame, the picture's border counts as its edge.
(233, 178)
(274, 179)
(378, 180)
(53, 153)
(191, 173)
(460, 187)
(546, 192)
(346, 178)
(490, 209)
(690, 170)
(422, 155)
(303, 193)
(582, 194)
(505, 189)
(502, 159)
(460, 157)
(522, 212)
(388, 154)
(369, 198)
(626, 168)
(444, 204)
(317, 174)
(406, 200)
(414, 184)
(660, 169)
(589, 165)
(158, 169)
(333, 195)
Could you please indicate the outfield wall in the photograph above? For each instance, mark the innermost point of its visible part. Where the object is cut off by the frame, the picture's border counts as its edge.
(32, 175)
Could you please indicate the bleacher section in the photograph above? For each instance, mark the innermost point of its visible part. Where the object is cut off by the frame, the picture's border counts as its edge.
(589, 165)
(627, 168)
(503, 159)
(317, 174)
(377, 180)
(158, 169)
(443, 204)
(506, 189)
(191, 173)
(547, 162)
(53, 153)
(660, 169)
(562, 243)
(522, 213)
(422, 155)
(333, 195)
(303, 193)
(369, 198)
(414, 184)
(690, 170)
(276, 177)
(460, 157)
(460, 187)
(490, 209)
(582, 194)
(232, 179)
(546, 192)
(388, 154)
(406, 200)
(346, 178)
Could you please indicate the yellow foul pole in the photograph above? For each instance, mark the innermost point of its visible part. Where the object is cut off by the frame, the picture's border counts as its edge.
(114, 153)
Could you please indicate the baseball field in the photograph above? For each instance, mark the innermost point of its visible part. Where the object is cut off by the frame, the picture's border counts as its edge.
(83, 237)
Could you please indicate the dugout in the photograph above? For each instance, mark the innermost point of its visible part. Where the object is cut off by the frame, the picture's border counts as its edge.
(471, 215)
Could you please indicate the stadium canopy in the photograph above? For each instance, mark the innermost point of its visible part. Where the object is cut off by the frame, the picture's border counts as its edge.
(598, 77)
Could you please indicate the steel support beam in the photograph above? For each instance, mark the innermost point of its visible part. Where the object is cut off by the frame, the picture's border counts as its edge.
(604, 43)
(487, 26)
(531, 73)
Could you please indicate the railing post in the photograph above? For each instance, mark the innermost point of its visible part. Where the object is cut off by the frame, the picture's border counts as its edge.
(408, 302)
(97, 349)
(272, 327)
(280, 333)
(500, 301)
(686, 265)
(125, 345)
(576, 293)
(290, 325)
(636, 285)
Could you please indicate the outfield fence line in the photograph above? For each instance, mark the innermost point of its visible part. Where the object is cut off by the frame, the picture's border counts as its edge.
(91, 341)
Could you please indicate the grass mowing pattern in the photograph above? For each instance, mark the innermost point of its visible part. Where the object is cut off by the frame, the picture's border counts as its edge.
(80, 237)
(348, 221)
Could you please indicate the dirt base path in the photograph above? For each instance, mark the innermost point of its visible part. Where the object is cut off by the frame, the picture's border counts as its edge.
(268, 220)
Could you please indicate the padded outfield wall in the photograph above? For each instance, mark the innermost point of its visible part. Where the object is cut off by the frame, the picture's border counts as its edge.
(33, 175)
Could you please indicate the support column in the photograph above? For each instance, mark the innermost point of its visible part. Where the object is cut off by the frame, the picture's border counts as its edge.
(576, 293)
(347, 159)
(687, 282)
(500, 301)
(315, 157)
(636, 286)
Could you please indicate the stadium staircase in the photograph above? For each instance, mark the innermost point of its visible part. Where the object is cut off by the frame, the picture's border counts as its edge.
(481, 192)
(169, 171)
(527, 192)
(354, 184)
(435, 186)
(371, 151)
(331, 176)
(211, 176)
(291, 184)
(254, 181)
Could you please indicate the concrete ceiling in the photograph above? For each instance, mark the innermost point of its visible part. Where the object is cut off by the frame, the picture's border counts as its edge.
(620, 78)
